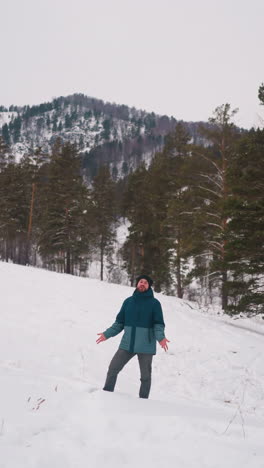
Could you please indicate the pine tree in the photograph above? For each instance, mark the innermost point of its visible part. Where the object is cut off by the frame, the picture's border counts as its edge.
(213, 190)
(103, 201)
(261, 94)
(146, 248)
(107, 129)
(135, 210)
(14, 209)
(68, 121)
(17, 129)
(158, 247)
(245, 211)
(33, 164)
(4, 156)
(63, 223)
(177, 151)
(155, 201)
(5, 134)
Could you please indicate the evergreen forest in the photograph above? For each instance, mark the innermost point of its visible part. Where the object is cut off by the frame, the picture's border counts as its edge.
(195, 214)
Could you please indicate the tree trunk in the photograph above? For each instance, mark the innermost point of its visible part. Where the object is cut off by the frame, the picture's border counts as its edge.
(224, 291)
(102, 260)
(28, 240)
(6, 250)
(178, 277)
(133, 253)
(68, 262)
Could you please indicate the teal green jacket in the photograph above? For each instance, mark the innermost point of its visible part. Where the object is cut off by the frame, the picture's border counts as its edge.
(141, 319)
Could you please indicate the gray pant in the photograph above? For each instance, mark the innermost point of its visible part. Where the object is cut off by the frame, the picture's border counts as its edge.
(119, 360)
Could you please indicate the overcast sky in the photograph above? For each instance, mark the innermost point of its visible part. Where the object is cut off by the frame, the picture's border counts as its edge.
(173, 57)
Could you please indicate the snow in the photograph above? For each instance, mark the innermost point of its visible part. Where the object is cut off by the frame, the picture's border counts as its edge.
(6, 117)
(206, 407)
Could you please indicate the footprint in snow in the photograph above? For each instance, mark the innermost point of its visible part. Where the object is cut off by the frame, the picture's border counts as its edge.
(92, 389)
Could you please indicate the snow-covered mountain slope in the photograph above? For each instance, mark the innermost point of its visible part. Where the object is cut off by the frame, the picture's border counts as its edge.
(206, 407)
(105, 133)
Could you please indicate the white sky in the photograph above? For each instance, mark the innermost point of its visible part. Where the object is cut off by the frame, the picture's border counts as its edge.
(173, 57)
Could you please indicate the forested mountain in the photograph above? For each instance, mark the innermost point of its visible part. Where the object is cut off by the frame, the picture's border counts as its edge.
(191, 197)
(104, 133)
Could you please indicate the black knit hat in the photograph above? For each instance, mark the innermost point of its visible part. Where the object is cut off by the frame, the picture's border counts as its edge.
(146, 277)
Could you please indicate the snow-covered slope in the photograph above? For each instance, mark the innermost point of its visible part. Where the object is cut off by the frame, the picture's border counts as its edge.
(104, 133)
(206, 408)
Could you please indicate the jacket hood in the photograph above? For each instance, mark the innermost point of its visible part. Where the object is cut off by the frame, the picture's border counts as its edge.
(148, 293)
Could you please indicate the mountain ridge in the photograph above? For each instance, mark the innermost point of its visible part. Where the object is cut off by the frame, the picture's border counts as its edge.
(117, 135)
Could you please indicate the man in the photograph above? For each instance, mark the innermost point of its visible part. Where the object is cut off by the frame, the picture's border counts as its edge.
(142, 320)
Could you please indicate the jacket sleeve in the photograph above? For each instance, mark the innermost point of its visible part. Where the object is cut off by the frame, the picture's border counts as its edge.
(158, 322)
(118, 325)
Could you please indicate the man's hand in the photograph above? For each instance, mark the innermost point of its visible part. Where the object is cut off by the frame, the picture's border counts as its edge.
(101, 338)
(163, 344)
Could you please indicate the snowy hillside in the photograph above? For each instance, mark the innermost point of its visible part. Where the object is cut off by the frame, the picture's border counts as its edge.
(118, 136)
(104, 133)
(206, 407)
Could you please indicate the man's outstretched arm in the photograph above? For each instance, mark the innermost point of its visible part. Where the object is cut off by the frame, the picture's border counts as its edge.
(116, 328)
(110, 332)
(159, 327)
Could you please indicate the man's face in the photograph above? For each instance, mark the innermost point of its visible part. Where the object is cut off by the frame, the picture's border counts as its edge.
(142, 285)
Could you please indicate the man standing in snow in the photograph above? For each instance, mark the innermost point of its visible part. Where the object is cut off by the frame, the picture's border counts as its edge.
(141, 319)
